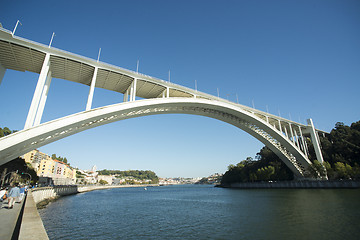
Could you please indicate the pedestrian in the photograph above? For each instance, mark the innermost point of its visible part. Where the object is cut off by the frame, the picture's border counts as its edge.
(22, 193)
(3, 196)
(13, 195)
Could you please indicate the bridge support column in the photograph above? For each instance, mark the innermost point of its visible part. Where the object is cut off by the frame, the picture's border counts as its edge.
(43, 99)
(296, 138)
(167, 92)
(92, 89)
(315, 141)
(292, 133)
(305, 150)
(2, 73)
(286, 133)
(126, 95)
(280, 129)
(133, 90)
(37, 94)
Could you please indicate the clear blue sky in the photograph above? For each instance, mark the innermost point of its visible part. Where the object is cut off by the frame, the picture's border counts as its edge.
(297, 58)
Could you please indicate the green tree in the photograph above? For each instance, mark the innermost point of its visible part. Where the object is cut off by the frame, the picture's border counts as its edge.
(253, 177)
(265, 173)
(349, 171)
(341, 170)
(103, 182)
(317, 170)
(6, 131)
(330, 171)
(356, 171)
(20, 166)
(231, 166)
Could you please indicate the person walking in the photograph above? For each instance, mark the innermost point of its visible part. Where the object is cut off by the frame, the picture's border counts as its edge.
(2, 194)
(22, 193)
(13, 195)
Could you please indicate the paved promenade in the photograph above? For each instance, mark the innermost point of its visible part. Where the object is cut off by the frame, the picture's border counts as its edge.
(8, 219)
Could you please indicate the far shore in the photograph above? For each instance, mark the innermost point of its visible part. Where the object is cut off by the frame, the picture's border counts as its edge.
(52, 193)
(87, 188)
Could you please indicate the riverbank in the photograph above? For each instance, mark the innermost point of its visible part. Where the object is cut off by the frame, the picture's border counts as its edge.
(295, 185)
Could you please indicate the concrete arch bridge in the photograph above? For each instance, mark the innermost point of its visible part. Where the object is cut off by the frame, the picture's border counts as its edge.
(142, 95)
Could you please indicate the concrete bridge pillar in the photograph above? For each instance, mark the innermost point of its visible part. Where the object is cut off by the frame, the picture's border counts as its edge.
(92, 89)
(30, 120)
(2, 73)
(43, 99)
(133, 90)
(315, 141)
(127, 93)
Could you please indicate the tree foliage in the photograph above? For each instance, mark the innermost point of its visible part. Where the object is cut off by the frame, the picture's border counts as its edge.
(59, 158)
(137, 174)
(340, 149)
(6, 131)
(103, 182)
(266, 167)
(19, 166)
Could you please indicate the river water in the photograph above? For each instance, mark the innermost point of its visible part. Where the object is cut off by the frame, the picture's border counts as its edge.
(205, 212)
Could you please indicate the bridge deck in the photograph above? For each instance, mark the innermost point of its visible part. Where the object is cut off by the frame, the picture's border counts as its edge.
(24, 55)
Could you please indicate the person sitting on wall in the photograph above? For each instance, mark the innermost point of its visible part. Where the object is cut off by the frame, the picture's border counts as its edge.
(13, 195)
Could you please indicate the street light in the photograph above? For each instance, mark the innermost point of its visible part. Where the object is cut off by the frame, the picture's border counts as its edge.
(29, 176)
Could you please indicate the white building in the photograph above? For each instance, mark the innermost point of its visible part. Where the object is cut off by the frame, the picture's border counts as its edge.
(107, 178)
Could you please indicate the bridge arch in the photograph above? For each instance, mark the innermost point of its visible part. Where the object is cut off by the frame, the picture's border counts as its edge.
(26, 140)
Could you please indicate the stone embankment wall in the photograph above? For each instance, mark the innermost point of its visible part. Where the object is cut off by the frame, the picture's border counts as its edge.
(47, 193)
(298, 184)
(43, 193)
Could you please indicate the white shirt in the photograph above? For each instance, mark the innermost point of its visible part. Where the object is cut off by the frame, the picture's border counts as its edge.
(2, 192)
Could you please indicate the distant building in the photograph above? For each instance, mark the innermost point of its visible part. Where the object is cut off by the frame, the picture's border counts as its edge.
(61, 173)
(46, 167)
(107, 178)
(88, 176)
(34, 157)
(118, 181)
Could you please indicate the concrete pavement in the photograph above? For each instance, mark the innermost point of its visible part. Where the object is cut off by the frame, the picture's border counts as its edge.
(8, 219)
